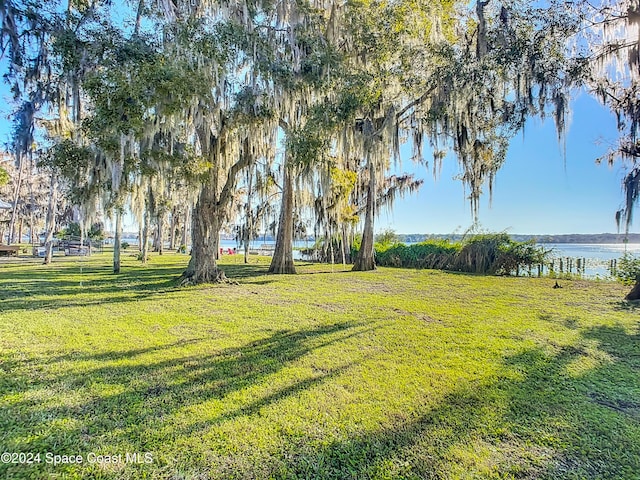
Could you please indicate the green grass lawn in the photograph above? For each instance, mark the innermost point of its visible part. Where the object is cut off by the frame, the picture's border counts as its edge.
(393, 374)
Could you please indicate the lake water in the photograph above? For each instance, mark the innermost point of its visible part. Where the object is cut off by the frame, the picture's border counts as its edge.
(597, 257)
(604, 251)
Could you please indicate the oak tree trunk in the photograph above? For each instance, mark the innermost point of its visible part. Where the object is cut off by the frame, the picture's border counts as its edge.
(634, 294)
(82, 234)
(205, 228)
(208, 216)
(51, 221)
(32, 236)
(160, 234)
(32, 233)
(16, 197)
(117, 241)
(147, 226)
(20, 230)
(172, 232)
(282, 261)
(246, 241)
(185, 227)
(343, 242)
(248, 227)
(145, 236)
(365, 260)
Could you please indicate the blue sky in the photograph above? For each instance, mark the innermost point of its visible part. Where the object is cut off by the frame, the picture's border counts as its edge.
(535, 192)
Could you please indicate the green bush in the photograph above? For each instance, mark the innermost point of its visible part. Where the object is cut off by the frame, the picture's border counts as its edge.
(497, 253)
(95, 232)
(437, 254)
(355, 246)
(4, 177)
(387, 238)
(485, 254)
(516, 255)
(628, 269)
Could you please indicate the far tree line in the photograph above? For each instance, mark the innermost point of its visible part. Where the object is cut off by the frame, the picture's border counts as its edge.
(289, 115)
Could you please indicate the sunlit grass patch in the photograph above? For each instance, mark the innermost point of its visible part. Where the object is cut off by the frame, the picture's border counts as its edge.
(325, 374)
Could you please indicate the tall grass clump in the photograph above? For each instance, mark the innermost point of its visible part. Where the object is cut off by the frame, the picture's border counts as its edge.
(492, 254)
(433, 254)
(498, 254)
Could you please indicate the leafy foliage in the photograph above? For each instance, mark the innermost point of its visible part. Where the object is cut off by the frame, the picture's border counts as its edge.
(628, 269)
(615, 80)
(483, 254)
(4, 177)
(430, 254)
(95, 231)
(195, 93)
(79, 165)
(497, 254)
(386, 238)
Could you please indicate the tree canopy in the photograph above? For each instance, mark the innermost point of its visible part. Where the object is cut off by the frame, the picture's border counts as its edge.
(168, 107)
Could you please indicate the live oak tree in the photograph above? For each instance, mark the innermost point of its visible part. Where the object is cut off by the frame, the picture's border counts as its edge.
(393, 52)
(352, 74)
(24, 36)
(507, 61)
(258, 194)
(231, 122)
(417, 71)
(45, 70)
(409, 75)
(335, 211)
(308, 62)
(195, 94)
(615, 79)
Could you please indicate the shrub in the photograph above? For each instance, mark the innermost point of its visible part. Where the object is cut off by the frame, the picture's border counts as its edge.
(486, 254)
(515, 255)
(387, 238)
(124, 245)
(95, 232)
(497, 253)
(437, 254)
(628, 269)
(480, 253)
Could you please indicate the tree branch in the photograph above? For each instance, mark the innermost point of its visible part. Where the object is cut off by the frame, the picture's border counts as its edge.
(414, 103)
(229, 186)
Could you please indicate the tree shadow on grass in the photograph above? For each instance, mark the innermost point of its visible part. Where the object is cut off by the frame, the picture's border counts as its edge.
(338, 269)
(35, 289)
(243, 271)
(571, 322)
(66, 402)
(65, 286)
(83, 356)
(536, 419)
(627, 305)
(548, 412)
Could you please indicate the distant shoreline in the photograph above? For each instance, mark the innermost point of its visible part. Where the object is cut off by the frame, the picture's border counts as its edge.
(578, 238)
